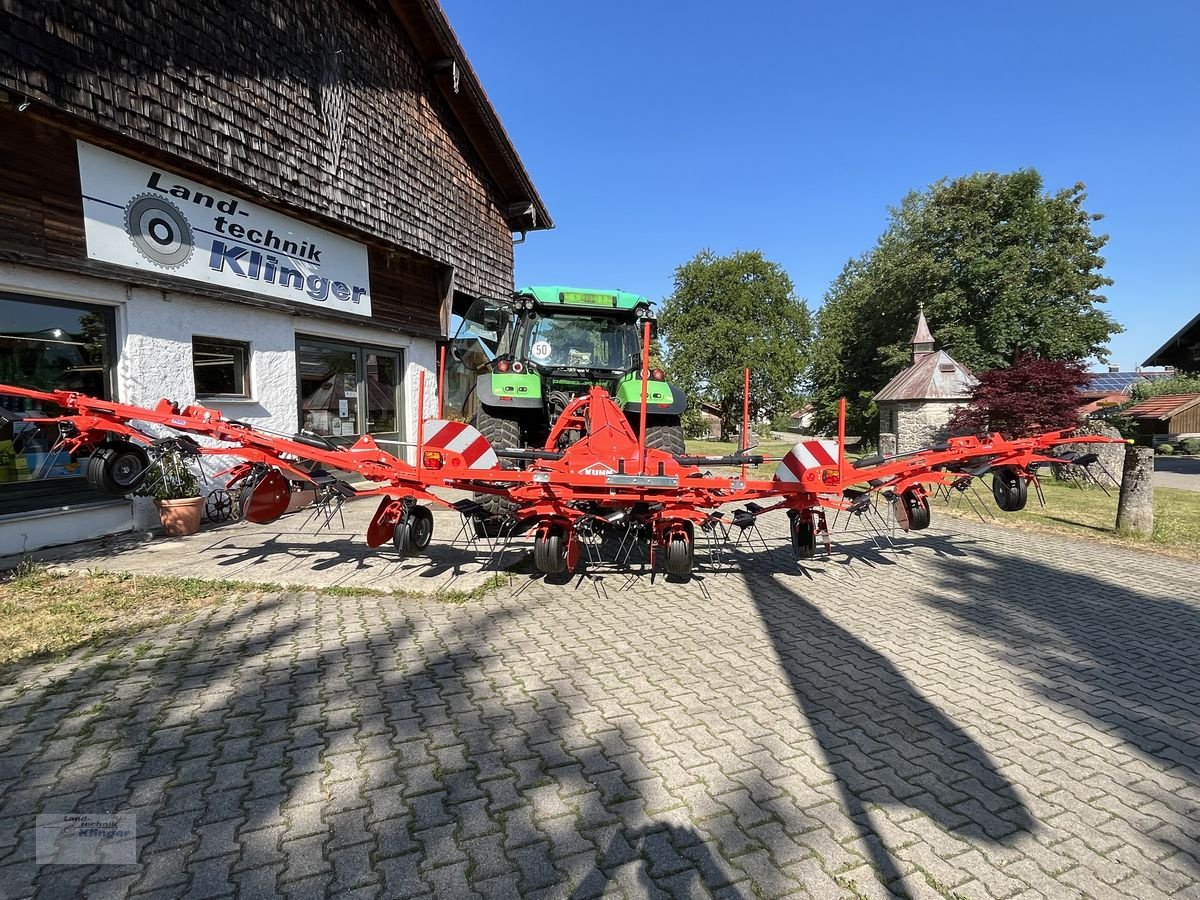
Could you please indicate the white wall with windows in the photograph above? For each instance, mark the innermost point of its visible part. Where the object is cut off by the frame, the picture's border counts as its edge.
(260, 366)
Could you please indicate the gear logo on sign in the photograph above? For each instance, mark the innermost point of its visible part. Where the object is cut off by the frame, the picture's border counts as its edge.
(159, 230)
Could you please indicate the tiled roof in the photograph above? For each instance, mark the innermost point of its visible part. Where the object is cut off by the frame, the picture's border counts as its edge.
(1163, 407)
(933, 377)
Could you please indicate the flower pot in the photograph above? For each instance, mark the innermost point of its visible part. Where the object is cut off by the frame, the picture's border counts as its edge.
(180, 517)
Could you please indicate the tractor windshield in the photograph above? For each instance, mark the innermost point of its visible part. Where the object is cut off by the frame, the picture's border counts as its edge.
(585, 342)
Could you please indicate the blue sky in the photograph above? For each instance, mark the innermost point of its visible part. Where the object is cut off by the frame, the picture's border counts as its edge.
(655, 129)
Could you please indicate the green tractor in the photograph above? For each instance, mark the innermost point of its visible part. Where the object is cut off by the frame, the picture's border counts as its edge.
(535, 352)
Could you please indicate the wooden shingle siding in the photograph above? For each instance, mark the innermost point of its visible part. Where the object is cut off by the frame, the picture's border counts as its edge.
(41, 224)
(317, 105)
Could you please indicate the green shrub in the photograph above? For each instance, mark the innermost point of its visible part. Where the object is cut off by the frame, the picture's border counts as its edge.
(1164, 449)
(1191, 446)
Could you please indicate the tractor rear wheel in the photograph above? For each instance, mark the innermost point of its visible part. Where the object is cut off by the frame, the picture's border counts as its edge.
(666, 436)
(501, 432)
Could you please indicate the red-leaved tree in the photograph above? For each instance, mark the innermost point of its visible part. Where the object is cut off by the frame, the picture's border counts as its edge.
(1030, 396)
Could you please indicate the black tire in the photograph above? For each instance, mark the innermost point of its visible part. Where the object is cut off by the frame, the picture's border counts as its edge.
(500, 431)
(666, 436)
(804, 537)
(550, 553)
(413, 534)
(1010, 489)
(420, 527)
(680, 556)
(117, 468)
(918, 510)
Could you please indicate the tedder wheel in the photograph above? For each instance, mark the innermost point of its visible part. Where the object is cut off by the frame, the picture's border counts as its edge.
(667, 437)
(918, 509)
(117, 468)
(804, 536)
(500, 431)
(1010, 489)
(550, 552)
(414, 532)
(680, 556)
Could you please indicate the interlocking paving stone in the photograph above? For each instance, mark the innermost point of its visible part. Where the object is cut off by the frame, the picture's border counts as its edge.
(986, 714)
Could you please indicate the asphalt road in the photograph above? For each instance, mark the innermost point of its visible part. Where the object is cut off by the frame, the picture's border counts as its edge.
(1177, 472)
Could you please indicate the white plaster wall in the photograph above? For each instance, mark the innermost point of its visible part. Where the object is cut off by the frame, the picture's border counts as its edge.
(154, 331)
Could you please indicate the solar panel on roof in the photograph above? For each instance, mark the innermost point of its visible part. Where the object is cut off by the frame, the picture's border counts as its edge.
(1113, 381)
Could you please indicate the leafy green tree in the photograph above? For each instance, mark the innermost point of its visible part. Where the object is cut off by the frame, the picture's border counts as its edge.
(730, 312)
(1003, 269)
(1161, 387)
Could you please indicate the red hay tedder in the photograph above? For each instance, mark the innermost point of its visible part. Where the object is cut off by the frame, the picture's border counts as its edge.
(594, 478)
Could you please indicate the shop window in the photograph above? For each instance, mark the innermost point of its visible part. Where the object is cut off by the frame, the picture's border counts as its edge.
(221, 368)
(47, 345)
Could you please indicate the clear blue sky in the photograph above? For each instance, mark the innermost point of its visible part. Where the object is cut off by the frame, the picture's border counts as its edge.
(653, 129)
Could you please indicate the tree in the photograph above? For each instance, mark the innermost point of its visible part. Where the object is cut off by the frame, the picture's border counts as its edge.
(1030, 396)
(1160, 387)
(1002, 268)
(730, 312)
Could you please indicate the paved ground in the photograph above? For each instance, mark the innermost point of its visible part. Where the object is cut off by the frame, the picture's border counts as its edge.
(290, 551)
(987, 714)
(1177, 472)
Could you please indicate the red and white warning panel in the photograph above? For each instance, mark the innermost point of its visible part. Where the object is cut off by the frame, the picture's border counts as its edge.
(460, 444)
(807, 456)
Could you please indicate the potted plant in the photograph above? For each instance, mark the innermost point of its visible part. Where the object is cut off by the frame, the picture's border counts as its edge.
(176, 493)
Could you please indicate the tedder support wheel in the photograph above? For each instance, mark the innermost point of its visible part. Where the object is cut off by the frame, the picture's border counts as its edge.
(804, 536)
(414, 532)
(912, 510)
(680, 556)
(550, 551)
(1010, 489)
(918, 509)
(664, 436)
(117, 468)
(501, 431)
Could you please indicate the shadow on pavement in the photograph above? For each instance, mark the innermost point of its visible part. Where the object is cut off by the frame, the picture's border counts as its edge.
(1119, 650)
(886, 744)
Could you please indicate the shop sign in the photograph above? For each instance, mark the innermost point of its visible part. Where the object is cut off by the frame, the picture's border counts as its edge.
(142, 216)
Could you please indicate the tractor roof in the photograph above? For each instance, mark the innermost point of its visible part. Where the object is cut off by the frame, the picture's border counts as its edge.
(557, 294)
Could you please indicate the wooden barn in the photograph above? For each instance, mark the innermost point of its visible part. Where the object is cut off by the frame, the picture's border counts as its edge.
(1167, 418)
(269, 206)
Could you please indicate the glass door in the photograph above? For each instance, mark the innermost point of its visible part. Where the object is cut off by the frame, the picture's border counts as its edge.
(381, 372)
(347, 391)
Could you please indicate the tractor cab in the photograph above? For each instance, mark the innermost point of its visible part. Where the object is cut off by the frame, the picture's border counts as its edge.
(518, 362)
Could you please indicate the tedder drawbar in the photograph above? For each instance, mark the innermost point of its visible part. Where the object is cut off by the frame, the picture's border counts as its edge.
(607, 482)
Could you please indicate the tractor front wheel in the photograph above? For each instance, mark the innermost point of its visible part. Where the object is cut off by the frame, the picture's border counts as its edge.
(502, 432)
